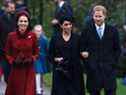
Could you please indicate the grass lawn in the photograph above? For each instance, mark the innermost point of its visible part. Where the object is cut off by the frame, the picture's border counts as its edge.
(121, 89)
(48, 79)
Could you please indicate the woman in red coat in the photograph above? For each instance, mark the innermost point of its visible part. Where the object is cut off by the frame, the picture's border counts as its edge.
(21, 51)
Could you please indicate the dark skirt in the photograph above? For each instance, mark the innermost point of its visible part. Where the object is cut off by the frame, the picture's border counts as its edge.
(67, 83)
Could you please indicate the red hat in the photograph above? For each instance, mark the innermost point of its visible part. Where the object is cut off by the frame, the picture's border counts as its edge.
(21, 13)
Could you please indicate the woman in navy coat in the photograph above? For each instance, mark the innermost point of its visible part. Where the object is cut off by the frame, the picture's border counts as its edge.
(64, 54)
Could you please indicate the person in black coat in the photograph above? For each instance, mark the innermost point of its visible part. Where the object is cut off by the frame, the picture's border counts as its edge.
(21, 5)
(63, 8)
(7, 25)
(64, 54)
(100, 50)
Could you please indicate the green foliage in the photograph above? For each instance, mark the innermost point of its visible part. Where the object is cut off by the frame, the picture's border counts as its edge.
(47, 14)
(116, 14)
(48, 79)
(120, 86)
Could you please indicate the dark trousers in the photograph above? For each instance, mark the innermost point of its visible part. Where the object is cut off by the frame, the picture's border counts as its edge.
(6, 69)
(107, 92)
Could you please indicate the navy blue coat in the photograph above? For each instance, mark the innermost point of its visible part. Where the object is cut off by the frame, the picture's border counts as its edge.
(103, 56)
(71, 82)
(65, 10)
(7, 25)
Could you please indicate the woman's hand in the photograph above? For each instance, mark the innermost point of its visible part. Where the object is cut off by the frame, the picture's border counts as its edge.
(18, 60)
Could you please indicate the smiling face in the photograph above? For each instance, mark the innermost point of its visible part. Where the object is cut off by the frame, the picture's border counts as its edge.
(99, 14)
(23, 24)
(10, 8)
(67, 26)
(98, 17)
(38, 30)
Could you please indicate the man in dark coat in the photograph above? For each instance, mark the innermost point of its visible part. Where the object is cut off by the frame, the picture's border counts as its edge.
(21, 6)
(7, 24)
(63, 8)
(100, 49)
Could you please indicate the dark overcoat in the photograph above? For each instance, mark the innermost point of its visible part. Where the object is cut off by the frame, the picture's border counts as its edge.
(65, 10)
(60, 12)
(7, 25)
(68, 76)
(103, 56)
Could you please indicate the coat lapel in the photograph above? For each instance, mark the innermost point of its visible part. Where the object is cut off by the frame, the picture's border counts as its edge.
(106, 32)
(94, 32)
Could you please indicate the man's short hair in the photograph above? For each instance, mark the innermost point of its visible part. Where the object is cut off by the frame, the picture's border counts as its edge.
(100, 8)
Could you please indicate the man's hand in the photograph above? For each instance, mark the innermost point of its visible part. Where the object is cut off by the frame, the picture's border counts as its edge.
(54, 21)
(85, 54)
(58, 59)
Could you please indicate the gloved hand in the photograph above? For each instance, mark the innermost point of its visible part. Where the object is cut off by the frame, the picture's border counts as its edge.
(28, 60)
(18, 60)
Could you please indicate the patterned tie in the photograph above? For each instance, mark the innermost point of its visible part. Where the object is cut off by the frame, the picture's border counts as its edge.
(99, 31)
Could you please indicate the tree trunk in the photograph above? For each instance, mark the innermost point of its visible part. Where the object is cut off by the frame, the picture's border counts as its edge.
(41, 6)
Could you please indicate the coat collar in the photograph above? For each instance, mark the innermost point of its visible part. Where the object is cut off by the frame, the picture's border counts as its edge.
(94, 30)
(22, 35)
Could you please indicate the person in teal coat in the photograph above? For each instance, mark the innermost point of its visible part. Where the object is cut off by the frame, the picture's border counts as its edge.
(41, 63)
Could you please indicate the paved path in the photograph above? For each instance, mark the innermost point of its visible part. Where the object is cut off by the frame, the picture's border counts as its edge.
(3, 87)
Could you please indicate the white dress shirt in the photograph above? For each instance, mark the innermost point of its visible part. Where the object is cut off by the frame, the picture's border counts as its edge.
(100, 29)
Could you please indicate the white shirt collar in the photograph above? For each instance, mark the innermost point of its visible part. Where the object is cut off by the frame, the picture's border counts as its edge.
(102, 26)
(61, 4)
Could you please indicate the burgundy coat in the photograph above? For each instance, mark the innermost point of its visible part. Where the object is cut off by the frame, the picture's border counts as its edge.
(21, 80)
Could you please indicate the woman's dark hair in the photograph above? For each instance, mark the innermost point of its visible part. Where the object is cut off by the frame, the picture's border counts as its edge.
(66, 18)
